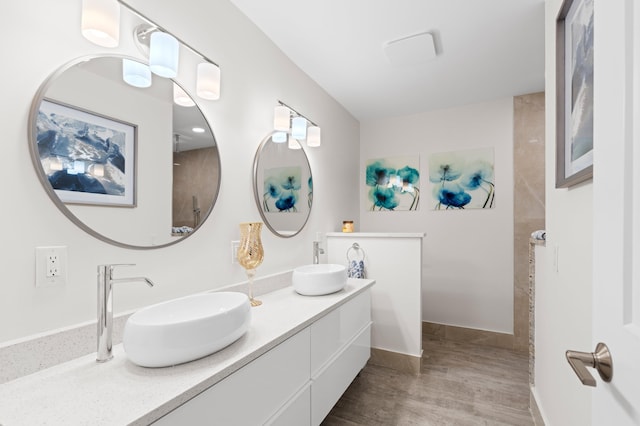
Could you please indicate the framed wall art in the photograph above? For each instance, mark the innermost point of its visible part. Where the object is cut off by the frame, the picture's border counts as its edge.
(574, 93)
(88, 158)
(462, 180)
(393, 183)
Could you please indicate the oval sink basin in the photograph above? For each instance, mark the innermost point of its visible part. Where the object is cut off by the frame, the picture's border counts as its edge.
(319, 279)
(186, 329)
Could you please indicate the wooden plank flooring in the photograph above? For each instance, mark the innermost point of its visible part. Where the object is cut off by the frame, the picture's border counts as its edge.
(460, 384)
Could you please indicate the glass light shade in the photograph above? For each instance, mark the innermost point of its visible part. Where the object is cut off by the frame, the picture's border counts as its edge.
(313, 136)
(294, 143)
(279, 137)
(136, 73)
(164, 53)
(281, 115)
(208, 82)
(299, 127)
(100, 23)
(181, 98)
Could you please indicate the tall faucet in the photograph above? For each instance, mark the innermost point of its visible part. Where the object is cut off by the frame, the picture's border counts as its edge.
(317, 251)
(105, 307)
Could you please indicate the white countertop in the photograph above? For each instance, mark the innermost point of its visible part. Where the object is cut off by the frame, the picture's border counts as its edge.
(83, 392)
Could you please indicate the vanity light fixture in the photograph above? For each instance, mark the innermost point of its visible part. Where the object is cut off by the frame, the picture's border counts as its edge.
(302, 128)
(136, 73)
(208, 81)
(100, 22)
(181, 98)
(164, 53)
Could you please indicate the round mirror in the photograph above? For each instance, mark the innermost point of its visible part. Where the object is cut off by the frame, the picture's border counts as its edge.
(126, 164)
(283, 186)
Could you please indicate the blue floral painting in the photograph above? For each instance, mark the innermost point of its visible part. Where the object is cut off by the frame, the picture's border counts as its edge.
(462, 179)
(393, 183)
(281, 189)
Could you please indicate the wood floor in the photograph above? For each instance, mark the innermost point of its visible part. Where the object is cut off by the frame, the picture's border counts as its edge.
(460, 384)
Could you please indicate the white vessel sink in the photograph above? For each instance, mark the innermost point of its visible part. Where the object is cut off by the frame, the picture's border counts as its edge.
(319, 279)
(186, 329)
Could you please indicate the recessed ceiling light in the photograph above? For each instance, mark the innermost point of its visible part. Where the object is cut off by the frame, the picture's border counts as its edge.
(198, 130)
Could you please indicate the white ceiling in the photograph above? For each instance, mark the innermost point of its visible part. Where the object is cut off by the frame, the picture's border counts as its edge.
(488, 49)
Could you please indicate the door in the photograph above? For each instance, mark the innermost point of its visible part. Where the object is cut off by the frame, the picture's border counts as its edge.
(616, 194)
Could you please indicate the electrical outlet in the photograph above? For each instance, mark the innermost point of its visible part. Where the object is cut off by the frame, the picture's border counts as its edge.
(51, 266)
(234, 251)
(53, 262)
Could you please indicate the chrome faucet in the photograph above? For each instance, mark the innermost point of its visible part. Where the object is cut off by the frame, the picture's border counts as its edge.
(317, 251)
(105, 307)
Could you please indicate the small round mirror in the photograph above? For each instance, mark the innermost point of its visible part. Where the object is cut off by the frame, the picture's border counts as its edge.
(283, 185)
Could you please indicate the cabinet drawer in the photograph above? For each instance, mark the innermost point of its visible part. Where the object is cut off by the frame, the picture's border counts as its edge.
(330, 333)
(251, 395)
(334, 379)
(297, 412)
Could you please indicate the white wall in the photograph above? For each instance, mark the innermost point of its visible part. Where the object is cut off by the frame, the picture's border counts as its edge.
(45, 35)
(468, 254)
(563, 294)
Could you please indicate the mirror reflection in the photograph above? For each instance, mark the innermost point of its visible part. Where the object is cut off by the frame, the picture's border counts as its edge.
(283, 185)
(127, 164)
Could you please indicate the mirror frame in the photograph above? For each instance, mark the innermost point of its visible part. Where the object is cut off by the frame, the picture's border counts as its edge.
(37, 165)
(256, 194)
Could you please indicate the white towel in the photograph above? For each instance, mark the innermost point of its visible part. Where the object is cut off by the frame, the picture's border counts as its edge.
(356, 269)
(539, 235)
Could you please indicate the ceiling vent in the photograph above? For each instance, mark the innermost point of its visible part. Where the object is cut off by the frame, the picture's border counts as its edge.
(411, 50)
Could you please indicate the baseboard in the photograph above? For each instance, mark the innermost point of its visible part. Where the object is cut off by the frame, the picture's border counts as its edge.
(396, 361)
(536, 414)
(469, 335)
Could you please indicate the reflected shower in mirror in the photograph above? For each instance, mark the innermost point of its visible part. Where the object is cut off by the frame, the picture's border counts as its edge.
(127, 164)
(283, 185)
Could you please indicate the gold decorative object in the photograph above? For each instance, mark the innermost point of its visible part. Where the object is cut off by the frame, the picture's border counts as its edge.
(250, 253)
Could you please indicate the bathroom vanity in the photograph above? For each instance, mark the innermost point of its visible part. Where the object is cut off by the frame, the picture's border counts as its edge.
(298, 357)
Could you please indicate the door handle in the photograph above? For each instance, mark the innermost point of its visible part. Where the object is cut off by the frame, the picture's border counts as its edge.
(600, 360)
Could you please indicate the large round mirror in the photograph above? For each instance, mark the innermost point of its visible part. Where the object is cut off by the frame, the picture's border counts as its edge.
(126, 164)
(283, 186)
